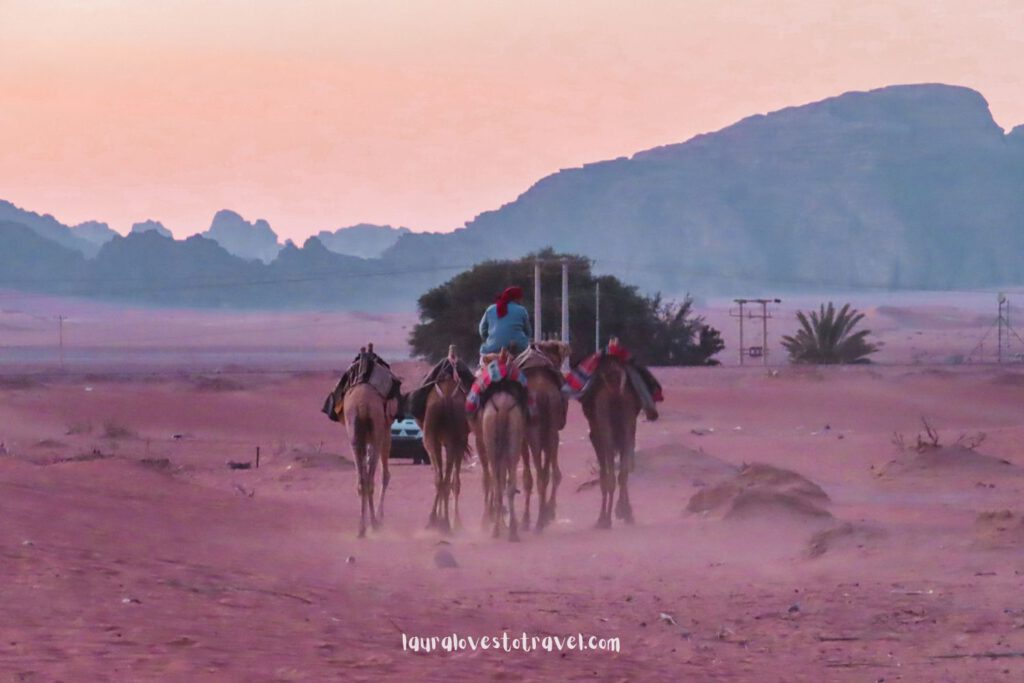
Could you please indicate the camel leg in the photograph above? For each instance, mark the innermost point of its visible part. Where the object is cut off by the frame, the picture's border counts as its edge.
(359, 452)
(604, 520)
(432, 444)
(527, 484)
(624, 510)
(446, 522)
(485, 469)
(372, 456)
(552, 476)
(385, 456)
(540, 467)
(510, 491)
(496, 496)
(459, 451)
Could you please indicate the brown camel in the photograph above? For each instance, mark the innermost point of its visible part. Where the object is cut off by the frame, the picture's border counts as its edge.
(544, 383)
(367, 416)
(502, 430)
(611, 407)
(446, 438)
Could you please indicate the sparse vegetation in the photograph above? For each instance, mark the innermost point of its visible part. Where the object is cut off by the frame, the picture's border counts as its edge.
(114, 430)
(827, 337)
(930, 440)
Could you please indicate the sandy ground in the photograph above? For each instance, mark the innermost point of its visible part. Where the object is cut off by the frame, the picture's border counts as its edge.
(130, 551)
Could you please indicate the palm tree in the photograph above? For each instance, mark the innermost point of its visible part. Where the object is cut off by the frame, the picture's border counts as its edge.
(827, 337)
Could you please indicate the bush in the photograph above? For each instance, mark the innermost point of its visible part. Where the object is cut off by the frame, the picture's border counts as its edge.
(827, 337)
(658, 332)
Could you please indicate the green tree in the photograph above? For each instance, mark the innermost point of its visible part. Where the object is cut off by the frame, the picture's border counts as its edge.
(827, 337)
(659, 332)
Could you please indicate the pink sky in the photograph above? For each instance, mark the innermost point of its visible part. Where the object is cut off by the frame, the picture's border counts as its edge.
(322, 113)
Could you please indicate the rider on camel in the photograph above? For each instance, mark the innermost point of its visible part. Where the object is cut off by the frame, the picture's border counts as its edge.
(506, 324)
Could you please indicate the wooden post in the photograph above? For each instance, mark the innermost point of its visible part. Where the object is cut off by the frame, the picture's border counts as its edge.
(257, 457)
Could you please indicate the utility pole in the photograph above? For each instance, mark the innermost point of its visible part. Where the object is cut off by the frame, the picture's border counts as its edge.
(1002, 320)
(740, 316)
(537, 332)
(60, 327)
(597, 316)
(755, 351)
(565, 300)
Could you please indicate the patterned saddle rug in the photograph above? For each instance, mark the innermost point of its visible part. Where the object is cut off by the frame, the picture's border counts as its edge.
(497, 374)
(366, 368)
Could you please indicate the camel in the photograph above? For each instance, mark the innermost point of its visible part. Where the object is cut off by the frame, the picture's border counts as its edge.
(501, 429)
(611, 407)
(446, 437)
(367, 415)
(544, 383)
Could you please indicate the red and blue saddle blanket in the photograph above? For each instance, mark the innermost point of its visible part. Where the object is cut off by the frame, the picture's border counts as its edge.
(578, 379)
(488, 379)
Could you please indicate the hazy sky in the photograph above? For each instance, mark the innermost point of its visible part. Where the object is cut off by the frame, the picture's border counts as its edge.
(321, 113)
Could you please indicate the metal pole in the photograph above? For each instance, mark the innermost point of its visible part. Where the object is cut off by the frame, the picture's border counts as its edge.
(764, 333)
(597, 316)
(565, 300)
(741, 333)
(537, 333)
(60, 323)
(999, 322)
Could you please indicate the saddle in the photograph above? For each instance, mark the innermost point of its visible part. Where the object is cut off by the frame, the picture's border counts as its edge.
(579, 380)
(366, 368)
(534, 358)
(497, 374)
(448, 367)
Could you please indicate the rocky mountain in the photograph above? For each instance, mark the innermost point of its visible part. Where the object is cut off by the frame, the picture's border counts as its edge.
(253, 241)
(912, 187)
(151, 226)
(903, 187)
(46, 226)
(94, 232)
(364, 240)
(29, 261)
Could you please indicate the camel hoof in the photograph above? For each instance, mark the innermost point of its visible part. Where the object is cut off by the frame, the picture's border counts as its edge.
(603, 524)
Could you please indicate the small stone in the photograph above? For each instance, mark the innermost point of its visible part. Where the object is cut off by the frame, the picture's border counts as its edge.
(443, 559)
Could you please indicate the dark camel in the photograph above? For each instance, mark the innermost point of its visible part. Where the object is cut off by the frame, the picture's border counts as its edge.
(611, 407)
(446, 438)
(542, 434)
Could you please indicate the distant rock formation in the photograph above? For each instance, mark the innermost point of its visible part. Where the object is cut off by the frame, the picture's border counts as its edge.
(46, 226)
(905, 187)
(253, 241)
(151, 226)
(363, 240)
(94, 232)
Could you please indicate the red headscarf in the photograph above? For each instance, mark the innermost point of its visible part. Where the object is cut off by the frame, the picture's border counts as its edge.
(510, 294)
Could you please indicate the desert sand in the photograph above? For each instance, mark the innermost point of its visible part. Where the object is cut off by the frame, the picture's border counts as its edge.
(790, 526)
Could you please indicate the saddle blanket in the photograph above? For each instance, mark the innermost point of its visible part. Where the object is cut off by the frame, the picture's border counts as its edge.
(487, 379)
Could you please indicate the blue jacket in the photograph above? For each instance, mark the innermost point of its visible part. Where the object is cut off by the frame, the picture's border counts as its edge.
(512, 332)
